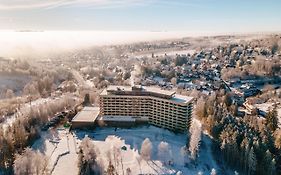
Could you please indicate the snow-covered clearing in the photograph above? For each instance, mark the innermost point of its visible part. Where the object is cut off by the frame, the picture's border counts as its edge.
(107, 138)
(61, 147)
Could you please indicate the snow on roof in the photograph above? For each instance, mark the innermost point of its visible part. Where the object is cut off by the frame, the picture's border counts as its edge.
(170, 95)
(88, 114)
(182, 98)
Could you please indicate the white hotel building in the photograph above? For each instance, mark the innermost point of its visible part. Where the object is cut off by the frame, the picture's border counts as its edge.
(158, 107)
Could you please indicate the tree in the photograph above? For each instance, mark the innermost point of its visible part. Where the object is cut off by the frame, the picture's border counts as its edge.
(88, 158)
(252, 161)
(30, 163)
(146, 149)
(128, 171)
(86, 99)
(174, 81)
(278, 139)
(201, 109)
(274, 48)
(110, 169)
(164, 152)
(9, 94)
(272, 120)
(179, 173)
(180, 60)
(195, 138)
(213, 172)
(227, 99)
(269, 163)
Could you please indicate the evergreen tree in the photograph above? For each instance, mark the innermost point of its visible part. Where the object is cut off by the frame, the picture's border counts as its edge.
(272, 120)
(252, 162)
(269, 163)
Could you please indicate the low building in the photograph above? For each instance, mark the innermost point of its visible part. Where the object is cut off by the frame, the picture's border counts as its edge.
(86, 118)
(158, 107)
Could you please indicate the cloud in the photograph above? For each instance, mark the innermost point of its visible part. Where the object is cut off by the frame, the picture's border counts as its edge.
(37, 4)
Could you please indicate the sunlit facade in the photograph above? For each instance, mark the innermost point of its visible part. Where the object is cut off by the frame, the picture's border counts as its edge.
(158, 107)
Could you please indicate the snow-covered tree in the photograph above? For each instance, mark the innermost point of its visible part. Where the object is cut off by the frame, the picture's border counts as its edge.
(146, 149)
(201, 109)
(110, 169)
(164, 152)
(213, 172)
(179, 173)
(30, 163)
(9, 93)
(174, 81)
(184, 153)
(195, 138)
(88, 158)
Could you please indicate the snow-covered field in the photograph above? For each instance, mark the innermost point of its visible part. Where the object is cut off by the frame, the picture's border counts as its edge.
(107, 140)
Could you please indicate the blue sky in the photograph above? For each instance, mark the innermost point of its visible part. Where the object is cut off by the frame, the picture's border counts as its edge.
(216, 16)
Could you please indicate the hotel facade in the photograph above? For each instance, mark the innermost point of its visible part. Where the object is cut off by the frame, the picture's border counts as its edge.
(158, 107)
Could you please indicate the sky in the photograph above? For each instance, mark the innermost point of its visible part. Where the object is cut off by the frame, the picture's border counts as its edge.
(210, 16)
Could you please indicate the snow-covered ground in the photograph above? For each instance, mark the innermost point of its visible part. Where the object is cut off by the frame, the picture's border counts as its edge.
(61, 149)
(63, 153)
(105, 138)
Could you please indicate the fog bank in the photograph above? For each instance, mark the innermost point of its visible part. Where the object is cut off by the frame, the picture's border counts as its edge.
(40, 44)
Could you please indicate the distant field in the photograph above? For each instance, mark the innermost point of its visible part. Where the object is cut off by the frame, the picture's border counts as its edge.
(14, 81)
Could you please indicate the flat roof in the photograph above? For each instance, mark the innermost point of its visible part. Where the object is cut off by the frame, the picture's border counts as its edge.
(182, 98)
(146, 90)
(88, 114)
(152, 89)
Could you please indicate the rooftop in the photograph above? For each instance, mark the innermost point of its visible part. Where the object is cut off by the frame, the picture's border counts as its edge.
(146, 91)
(88, 114)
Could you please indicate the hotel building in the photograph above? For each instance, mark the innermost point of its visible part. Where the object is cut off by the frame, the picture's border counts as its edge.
(158, 107)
